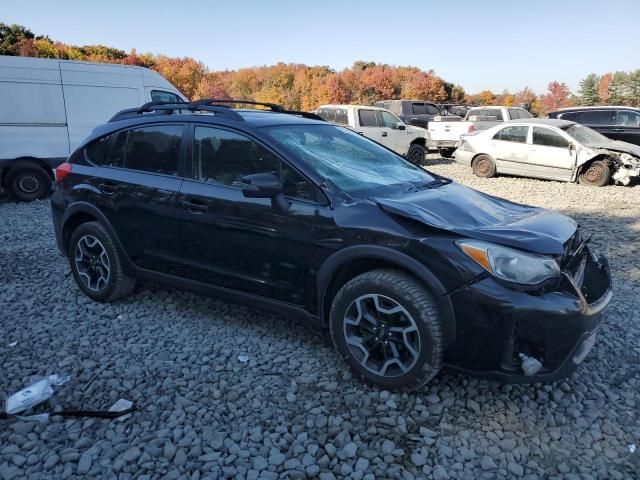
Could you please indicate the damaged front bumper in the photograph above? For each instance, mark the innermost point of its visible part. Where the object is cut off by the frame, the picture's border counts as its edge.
(496, 326)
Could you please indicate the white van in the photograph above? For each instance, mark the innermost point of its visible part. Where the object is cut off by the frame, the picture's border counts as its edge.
(48, 106)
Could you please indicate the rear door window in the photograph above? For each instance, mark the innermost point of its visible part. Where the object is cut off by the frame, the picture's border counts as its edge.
(597, 117)
(548, 138)
(154, 149)
(368, 118)
(516, 134)
(432, 110)
(420, 109)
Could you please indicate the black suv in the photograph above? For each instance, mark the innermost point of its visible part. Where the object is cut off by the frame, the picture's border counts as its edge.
(409, 270)
(617, 123)
(412, 112)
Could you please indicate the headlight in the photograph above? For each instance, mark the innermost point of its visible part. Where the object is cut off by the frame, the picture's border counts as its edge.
(510, 264)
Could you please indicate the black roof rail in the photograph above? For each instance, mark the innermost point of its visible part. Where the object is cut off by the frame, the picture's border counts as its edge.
(167, 108)
(211, 101)
(207, 105)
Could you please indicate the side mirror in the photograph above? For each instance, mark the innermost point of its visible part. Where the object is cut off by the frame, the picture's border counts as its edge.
(265, 185)
(401, 126)
(571, 147)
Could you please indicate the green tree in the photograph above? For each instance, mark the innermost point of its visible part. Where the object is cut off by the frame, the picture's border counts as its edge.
(11, 38)
(618, 94)
(588, 92)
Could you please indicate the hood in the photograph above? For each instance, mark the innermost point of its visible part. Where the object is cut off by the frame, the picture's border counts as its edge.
(418, 131)
(476, 215)
(623, 147)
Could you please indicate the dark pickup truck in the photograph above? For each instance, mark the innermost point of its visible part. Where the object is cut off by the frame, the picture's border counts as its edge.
(412, 112)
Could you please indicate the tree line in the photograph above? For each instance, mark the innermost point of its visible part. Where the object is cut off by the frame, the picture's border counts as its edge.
(302, 87)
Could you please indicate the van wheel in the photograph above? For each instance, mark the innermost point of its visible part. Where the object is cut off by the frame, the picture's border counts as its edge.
(484, 166)
(27, 182)
(385, 325)
(597, 175)
(417, 154)
(96, 264)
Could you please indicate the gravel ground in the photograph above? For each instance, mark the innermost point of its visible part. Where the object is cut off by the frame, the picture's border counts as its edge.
(292, 410)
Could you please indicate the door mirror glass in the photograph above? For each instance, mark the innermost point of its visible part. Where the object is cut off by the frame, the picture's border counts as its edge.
(401, 126)
(261, 185)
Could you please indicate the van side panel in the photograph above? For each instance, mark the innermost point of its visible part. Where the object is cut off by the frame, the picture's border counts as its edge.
(32, 113)
(90, 106)
(93, 93)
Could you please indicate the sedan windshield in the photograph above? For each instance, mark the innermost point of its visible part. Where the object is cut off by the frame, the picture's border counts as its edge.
(586, 136)
(351, 162)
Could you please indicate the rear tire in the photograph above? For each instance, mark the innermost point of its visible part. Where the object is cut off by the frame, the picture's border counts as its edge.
(386, 327)
(27, 182)
(446, 152)
(484, 166)
(416, 154)
(598, 174)
(96, 264)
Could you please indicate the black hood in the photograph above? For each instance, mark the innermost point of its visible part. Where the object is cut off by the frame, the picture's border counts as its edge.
(473, 214)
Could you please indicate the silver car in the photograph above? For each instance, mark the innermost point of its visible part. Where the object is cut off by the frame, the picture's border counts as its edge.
(552, 149)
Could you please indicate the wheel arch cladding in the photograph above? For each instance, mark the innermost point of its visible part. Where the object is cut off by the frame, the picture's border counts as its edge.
(350, 262)
(83, 212)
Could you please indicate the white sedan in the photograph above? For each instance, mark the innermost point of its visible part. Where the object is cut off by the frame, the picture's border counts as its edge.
(550, 148)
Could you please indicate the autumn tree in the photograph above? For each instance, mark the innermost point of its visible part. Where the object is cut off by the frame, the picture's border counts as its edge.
(588, 92)
(557, 96)
(185, 73)
(603, 87)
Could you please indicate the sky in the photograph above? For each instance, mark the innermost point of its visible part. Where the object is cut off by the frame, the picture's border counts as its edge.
(481, 44)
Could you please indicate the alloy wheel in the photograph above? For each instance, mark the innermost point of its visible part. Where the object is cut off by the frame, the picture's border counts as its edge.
(92, 262)
(381, 335)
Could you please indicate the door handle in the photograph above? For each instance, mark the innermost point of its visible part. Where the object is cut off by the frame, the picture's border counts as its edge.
(384, 134)
(108, 188)
(195, 207)
(618, 130)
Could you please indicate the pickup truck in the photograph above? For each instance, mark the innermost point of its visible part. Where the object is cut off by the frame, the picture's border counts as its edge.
(412, 112)
(382, 126)
(445, 132)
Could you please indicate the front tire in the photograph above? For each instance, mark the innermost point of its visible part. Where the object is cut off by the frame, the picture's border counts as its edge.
(598, 174)
(417, 153)
(96, 264)
(27, 182)
(386, 326)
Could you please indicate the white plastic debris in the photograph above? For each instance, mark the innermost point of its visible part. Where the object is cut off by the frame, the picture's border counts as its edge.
(120, 406)
(34, 394)
(530, 366)
(13, 344)
(243, 358)
(632, 448)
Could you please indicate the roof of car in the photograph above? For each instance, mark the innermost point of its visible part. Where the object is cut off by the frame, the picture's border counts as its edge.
(552, 122)
(595, 107)
(352, 106)
(261, 118)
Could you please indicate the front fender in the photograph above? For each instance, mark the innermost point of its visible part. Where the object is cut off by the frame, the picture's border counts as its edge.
(402, 261)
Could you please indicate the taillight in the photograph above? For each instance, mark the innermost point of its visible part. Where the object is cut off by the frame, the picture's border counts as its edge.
(63, 172)
(472, 128)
